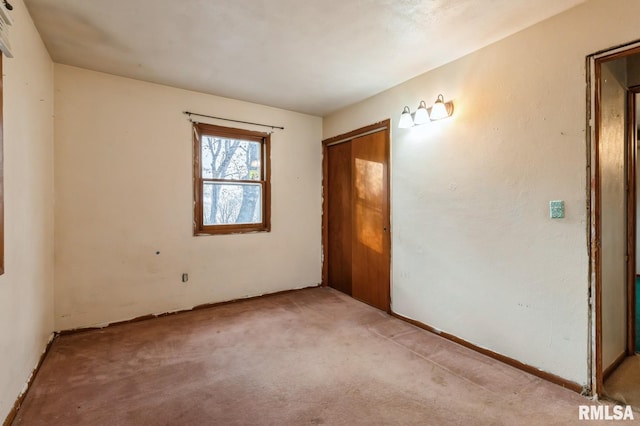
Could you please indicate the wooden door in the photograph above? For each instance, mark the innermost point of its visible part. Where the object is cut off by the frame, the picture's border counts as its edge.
(370, 209)
(339, 217)
(357, 238)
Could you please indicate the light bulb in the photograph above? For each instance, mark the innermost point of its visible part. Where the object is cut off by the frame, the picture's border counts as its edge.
(405, 119)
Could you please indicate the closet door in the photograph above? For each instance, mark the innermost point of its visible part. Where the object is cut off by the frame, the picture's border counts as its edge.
(339, 216)
(358, 239)
(370, 212)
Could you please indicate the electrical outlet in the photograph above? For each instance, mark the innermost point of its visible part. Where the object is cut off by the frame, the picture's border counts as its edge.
(556, 209)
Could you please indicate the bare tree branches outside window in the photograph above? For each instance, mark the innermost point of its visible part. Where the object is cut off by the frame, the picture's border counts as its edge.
(232, 177)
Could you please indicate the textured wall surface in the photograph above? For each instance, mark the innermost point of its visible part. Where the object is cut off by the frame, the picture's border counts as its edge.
(474, 251)
(26, 288)
(124, 192)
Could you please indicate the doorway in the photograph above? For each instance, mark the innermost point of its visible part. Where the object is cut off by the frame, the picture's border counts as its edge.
(356, 214)
(614, 81)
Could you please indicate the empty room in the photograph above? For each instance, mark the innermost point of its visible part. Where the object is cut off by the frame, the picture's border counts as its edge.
(319, 212)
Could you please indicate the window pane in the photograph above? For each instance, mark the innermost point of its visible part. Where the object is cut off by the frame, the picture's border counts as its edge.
(230, 158)
(226, 204)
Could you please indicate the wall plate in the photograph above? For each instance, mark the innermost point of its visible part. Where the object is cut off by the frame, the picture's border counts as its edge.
(556, 209)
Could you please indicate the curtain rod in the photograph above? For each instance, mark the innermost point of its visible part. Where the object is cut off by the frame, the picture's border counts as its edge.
(229, 119)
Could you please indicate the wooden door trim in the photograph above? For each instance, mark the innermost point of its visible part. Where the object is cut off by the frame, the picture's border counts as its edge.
(346, 137)
(384, 126)
(2, 227)
(593, 119)
(632, 150)
(594, 232)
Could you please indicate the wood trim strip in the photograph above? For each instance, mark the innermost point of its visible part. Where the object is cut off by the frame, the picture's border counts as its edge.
(20, 399)
(631, 150)
(596, 242)
(591, 179)
(232, 132)
(387, 224)
(325, 215)
(196, 174)
(358, 132)
(2, 227)
(615, 364)
(266, 203)
(618, 52)
(182, 311)
(349, 139)
(499, 357)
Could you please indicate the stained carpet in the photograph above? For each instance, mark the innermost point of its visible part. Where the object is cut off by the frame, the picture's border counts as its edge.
(301, 358)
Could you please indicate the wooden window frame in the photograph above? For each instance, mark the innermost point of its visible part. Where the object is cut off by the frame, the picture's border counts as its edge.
(2, 265)
(199, 228)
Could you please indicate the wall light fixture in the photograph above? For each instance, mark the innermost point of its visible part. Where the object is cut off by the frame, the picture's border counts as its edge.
(421, 115)
(406, 120)
(441, 109)
(438, 111)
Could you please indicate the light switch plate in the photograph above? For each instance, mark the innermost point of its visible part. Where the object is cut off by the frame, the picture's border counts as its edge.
(556, 209)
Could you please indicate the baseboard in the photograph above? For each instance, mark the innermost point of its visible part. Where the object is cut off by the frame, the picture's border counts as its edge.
(499, 357)
(16, 406)
(615, 364)
(181, 311)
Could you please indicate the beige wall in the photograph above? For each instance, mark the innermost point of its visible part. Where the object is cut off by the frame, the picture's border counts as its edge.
(26, 288)
(474, 251)
(124, 191)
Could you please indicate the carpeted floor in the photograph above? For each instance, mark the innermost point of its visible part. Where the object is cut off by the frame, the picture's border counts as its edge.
(307, 357)
(624, 383)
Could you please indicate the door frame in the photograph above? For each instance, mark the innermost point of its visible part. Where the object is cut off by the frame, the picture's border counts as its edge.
(632, 199)
(381, 126)
(594, 63)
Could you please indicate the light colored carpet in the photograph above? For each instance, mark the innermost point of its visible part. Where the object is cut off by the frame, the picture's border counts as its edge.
(624, 383)
(301, 358)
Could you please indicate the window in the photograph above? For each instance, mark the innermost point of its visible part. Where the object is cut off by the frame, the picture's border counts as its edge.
(231, 180)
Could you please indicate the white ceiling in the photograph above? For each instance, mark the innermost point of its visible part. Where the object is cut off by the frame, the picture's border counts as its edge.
(311, 56)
